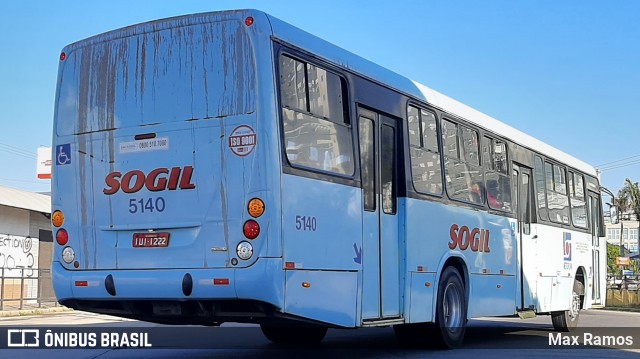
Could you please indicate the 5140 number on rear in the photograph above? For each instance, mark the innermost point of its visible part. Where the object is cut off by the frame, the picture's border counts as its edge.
(149, 205)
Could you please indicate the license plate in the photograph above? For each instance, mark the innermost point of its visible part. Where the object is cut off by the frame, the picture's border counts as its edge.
(150, 240)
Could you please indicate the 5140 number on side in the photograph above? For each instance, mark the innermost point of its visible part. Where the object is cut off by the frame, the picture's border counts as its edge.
(306, 223)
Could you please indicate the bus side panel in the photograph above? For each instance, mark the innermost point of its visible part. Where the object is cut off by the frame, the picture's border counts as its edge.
(421, 297)
(263, 281)
(485, 242)
(321, 223)
(491, 295)
(328, 296)
(434, 230)
(552, 266)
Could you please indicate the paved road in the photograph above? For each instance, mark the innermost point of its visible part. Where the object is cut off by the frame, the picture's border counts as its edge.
(486, 338)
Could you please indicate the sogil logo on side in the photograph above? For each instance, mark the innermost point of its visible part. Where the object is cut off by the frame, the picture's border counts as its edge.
(476, 239)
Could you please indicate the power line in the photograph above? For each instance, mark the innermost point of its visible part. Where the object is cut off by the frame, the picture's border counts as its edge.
(17, 151)
(619, 165)
(620, 160)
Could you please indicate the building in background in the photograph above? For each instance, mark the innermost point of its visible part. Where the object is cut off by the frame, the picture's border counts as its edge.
(624, 233)
(26, 246)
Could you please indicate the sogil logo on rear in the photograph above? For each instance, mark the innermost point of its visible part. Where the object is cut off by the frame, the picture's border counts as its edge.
(159, 179)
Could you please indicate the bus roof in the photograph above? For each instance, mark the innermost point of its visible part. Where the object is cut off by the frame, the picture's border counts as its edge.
(295, 36)
(306, 41)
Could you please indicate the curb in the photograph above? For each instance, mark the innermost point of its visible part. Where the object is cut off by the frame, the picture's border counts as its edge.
(35, 311)
(623, 309)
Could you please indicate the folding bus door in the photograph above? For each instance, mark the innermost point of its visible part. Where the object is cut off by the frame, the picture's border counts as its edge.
(380, 252)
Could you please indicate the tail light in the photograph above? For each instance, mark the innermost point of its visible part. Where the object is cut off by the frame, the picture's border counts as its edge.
(57, 219)
(255, 207)
(62, 237)
(251, 229)
(68, 255)
(244, 250)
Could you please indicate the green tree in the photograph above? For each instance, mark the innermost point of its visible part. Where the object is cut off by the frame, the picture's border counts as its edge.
(613, 252)
(621, 202)
(635, 266)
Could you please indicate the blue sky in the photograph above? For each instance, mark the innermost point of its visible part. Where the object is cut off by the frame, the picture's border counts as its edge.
(566, 72)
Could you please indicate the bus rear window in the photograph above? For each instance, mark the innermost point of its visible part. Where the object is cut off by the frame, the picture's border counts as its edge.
(134, 77)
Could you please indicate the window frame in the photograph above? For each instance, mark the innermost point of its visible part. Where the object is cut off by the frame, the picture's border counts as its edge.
(492, 147)
(572, 183)
(290, 167)
(556, 183)
(421, 146)
(461, 158)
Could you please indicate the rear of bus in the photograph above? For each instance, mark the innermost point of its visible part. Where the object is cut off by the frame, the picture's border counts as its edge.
(164, 167)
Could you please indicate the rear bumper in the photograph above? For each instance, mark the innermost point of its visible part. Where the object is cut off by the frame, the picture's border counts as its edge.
(158, 291)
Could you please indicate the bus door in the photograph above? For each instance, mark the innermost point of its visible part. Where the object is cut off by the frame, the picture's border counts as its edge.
(528, 244)
(594, 216)
(380, 247)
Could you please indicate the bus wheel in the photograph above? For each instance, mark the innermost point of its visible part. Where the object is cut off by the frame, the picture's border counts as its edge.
(567, 320)
(293, 334)
(451, 309)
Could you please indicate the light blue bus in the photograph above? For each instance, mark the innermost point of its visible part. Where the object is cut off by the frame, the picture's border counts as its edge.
(229, 167)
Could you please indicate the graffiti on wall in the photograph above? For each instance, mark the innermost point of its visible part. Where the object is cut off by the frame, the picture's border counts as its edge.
(18, 252)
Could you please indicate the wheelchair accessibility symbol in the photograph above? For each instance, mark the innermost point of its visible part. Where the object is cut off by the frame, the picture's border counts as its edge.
(63, 154)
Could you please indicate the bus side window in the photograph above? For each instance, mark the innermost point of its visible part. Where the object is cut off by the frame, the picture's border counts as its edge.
(498, 182)
(541, 196)
(317, 134)
(464, 176)
(557, 199)
(425, 159)
(577, 200)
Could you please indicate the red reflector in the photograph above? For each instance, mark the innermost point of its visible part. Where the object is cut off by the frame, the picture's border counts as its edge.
(251, 229)
(420, 268)
(290, 265)
(82, 283)
(248, 21)
(221, 281)
(62, 237)
(63, 56)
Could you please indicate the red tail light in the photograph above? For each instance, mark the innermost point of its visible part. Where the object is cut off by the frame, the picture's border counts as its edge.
(62, 237)
(251, 229)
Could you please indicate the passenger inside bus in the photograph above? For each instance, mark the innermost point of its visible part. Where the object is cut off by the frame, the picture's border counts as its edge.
(477, 195)
(493, 194)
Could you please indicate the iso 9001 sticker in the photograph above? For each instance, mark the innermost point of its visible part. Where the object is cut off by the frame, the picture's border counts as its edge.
(242, 140)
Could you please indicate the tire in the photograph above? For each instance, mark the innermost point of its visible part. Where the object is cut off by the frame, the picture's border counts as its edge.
(567, 320)
(305, 335)
(451, 309)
